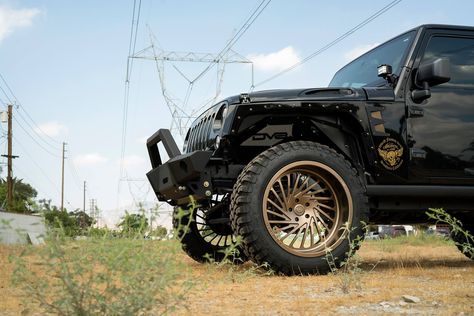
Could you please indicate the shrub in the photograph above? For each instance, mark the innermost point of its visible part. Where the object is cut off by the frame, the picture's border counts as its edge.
(106, 276)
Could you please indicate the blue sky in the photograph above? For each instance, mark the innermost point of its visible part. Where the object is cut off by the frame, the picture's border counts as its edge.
(65, 62)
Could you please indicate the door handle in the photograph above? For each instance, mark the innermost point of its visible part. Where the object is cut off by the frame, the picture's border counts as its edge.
(415, 111)
(417, 153)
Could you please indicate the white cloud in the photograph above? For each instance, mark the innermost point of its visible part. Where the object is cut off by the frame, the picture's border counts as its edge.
(359, 50)
(11, 19)
(276, 61)
(90, 159)
(51, 129)
(142, 140)
(132, 161)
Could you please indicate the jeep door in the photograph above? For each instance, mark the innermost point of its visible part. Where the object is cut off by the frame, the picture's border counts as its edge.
(441, 128)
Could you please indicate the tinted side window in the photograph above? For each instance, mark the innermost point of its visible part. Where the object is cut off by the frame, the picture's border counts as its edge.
(460, 52)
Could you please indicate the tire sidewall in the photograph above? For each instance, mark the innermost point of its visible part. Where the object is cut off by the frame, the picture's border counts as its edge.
(270, 248)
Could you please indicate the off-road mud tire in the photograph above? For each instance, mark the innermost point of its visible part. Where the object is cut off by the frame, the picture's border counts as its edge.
(247, 208)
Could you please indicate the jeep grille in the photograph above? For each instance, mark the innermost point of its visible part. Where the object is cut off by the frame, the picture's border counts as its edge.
(202, 133)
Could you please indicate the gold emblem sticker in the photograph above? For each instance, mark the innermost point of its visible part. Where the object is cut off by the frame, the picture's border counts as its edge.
(391, 152)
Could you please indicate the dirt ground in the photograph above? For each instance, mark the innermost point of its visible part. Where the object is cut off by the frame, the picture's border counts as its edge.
(438, 274)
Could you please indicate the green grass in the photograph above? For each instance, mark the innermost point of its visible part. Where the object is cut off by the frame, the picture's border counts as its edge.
(421, 239)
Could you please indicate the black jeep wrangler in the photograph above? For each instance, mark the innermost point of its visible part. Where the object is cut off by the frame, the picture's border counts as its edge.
(294, 174)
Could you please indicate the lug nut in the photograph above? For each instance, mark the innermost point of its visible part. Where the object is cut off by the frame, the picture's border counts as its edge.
(206, 184)
(208, 193)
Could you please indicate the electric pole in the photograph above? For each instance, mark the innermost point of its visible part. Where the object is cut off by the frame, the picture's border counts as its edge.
(10, 160)
(62, 177)
(84, 198)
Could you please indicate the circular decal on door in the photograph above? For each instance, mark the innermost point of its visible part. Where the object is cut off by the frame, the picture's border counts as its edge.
(391, 152)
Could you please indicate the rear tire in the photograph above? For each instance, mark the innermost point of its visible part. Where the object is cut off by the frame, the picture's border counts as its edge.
(297, 202)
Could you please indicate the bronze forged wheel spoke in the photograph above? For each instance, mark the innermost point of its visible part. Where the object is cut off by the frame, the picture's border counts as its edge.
(282, 190)
(296, 183)
(304, 205)
(288, 234)
(325, 214)
(278, 207)
(326, 206)
(282, 204)
(281, 215)
(307, 189)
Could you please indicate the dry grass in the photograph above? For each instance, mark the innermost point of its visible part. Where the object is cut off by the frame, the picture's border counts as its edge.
(434, 271)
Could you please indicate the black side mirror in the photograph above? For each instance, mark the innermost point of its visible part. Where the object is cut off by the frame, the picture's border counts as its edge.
(435, 72)
(428, 75)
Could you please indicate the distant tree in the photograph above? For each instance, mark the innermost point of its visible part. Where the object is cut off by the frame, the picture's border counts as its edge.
(132, 224)
(160, 231)
(23, 196)
(84, 221)
(57, 219)
(72, 223)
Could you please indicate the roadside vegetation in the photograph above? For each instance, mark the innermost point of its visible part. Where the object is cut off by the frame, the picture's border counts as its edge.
(126, 272)
(132, 275)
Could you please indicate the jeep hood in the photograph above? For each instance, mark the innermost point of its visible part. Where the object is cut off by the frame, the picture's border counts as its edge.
(302, 94)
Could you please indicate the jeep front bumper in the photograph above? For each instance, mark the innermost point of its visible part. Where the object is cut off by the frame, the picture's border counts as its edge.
(183, 176)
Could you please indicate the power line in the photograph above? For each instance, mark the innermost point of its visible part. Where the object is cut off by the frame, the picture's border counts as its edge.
(131, 51)
(178, 109)
(334, 42)
(45, 174)
(24, 175)
(250, 20)
(75, 173)
(220, 58)
(35, 128)
(37, 143)
(77, 179)
(30, 122)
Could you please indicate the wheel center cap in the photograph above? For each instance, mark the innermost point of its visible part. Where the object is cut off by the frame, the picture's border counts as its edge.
(299, 209)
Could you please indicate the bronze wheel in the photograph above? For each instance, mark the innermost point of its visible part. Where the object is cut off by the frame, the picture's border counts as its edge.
(205, 232)
(305, 206)
(298, 204)
(214, 226)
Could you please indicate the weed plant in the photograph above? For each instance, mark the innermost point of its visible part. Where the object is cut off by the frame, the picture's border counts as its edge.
(349, 272)
(101, 275)
(464, 239)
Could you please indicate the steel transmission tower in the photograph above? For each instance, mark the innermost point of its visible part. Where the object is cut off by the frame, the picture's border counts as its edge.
(182, 114)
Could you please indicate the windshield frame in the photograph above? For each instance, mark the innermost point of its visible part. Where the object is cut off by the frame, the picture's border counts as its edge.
(404, 60)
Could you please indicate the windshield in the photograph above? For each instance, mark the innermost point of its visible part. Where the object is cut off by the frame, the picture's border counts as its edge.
(363, 71)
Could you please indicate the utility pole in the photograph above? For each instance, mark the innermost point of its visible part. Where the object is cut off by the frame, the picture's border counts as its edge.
(10, 161)
(84, 198)
(62, 176)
